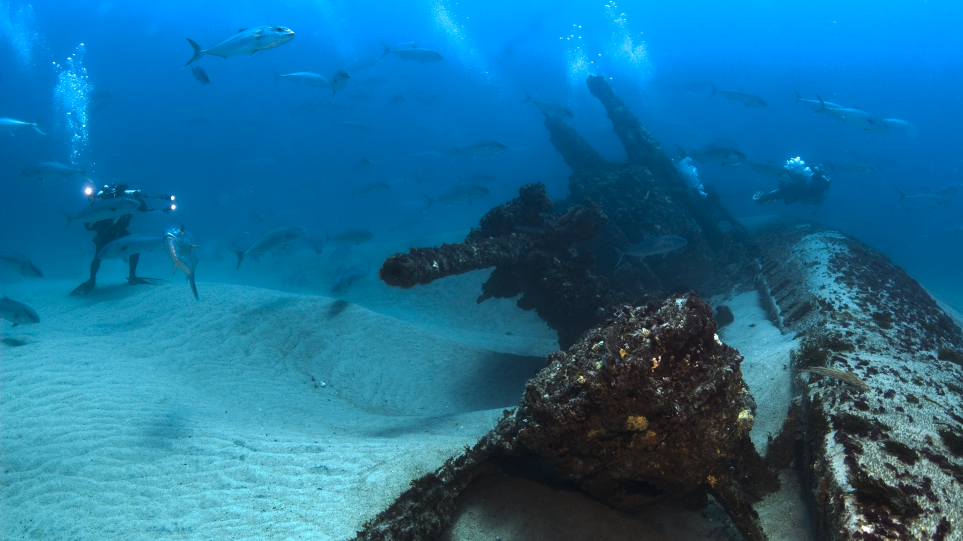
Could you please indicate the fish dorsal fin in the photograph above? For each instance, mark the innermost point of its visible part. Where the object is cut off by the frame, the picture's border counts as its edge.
(239, 30)
(6, 298)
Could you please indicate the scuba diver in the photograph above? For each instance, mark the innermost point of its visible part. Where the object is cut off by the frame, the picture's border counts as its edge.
(803, 184)
(112, 229)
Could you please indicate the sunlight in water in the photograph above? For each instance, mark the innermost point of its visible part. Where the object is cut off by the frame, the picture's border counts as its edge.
(579, 65)
(71, 96)
(458, 39)
(17, 28)
(623, 48)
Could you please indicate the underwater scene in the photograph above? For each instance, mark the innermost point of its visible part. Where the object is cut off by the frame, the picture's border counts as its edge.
(481, 270)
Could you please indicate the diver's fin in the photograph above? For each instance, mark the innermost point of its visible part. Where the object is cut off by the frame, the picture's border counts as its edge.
(190, 280)
(197, 52)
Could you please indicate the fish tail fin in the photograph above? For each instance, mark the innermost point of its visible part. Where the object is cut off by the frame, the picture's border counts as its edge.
(621, 255)
(240, 257)
(457, 151)
(276, 76)
(902, 195)
(430, 201)
(714, 90)
(198, 52)
(37, 128)
(681, 152)
(528, 97)
(798, 97)
(69, 219)
(190, 280)
(822, 104)
(387, 49)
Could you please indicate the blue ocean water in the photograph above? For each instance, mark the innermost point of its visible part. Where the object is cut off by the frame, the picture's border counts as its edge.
(106, 82)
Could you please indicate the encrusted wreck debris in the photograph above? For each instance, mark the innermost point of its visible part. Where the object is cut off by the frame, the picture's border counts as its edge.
(883, 459)
(645, 407)
(563, 262)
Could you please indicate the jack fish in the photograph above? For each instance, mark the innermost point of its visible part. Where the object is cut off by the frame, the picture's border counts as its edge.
(17, 313)
(123, 247)
(247, 41)
(856, 117)
(51, 170)
(749, 100)
(11, 125)
(417, 54)
(20, 263)
(270, 240)
(460, 193)
(104, 209)
(663, 244)
(714, 153)
(179, 245)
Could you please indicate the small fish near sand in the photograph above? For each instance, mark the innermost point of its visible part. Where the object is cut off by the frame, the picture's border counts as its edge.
(247, 41)
(179, 245)
(741, 96)
(126, 246)
(842, 375)
(344, 278)
(351, 236)
(201, 75)
(11, 125)
(458, 194)
(17, 313)
(275, 238)
(20, 264)
(663, 244)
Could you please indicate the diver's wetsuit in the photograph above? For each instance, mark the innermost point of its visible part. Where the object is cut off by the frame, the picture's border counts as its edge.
(808, 192)
(110, 230)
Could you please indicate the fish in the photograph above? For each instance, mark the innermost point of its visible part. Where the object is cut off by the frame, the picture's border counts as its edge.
(397, 99)
(20, 263)
(316, 243)
(180, 246)
(417, 54)
(714, 154)
(842, 375)
(99, 100)
(749, 100)
(859, 118)
(314, 80)
(270, 240)
(17, 313)
(372, 188)
(247, 41)
(930, 200)
(50, 171)
(459, 193)
(363, 163)
(351, 236)
(957, 229)
(662, 244)
(340, 253)
(11, 125)
(901, 125)
(771, 170)
(482, 147)
(424, 98)
(339, 81)
(549, 108)
(949, 189)
(201, 75)
(861, 169)
(814, 104)
(104, 209)
(123, 247)
(344, 278)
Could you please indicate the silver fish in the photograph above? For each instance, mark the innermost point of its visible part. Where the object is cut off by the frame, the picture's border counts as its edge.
(814, 104)
(372, 188)
(270, 240)
(201, 75)
(314, 80)
(749, 100)
(929, 200)
(949, 189)
(50, 171)
(123, 247)
(549, 108)
(417, 54)
(180, 246)
(339, 81)
(663, 244)
(20, 263)
(104, 209)
(901, 125)
(344, 278)
(856, 117)
(11, 125)
(351, 236)
(714, 154)
(17, 313)
(247, 41)
(460, 193)
(482, 147)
